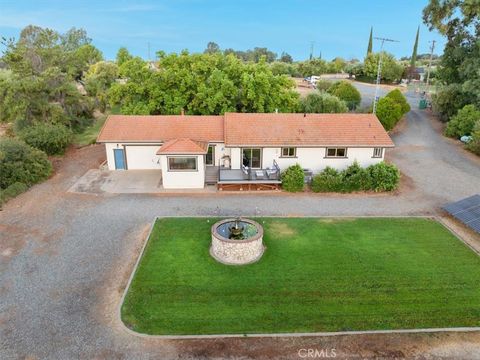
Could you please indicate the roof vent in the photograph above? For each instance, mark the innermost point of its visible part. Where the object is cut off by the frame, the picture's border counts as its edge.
(182, 112)
(304, 114)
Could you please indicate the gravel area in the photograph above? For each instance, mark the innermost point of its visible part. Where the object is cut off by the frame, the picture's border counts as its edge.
(65, 258)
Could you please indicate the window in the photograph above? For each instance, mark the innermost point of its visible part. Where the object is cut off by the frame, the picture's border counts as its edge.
(377, 152)
(177, 163)
(289, 152)
(336, 152)
(252, 158)
(210, 157)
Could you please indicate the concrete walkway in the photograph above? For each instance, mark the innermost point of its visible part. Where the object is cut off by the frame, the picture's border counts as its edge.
(65, 258)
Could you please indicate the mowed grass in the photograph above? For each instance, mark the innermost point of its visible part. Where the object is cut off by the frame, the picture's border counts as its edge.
(316, 275)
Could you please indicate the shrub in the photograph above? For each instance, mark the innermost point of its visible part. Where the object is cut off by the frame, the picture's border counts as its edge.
(293, 178)
(20, 162)
(378, 177)
(448, 100)
(329, 180)
(397, 96)
(345, 91)
(323, 85)
(463, 122)
(355, 178)
(13, 190)
(50, 138)
(323, 103)
(474, 144)
(383, 176)
(388, 112)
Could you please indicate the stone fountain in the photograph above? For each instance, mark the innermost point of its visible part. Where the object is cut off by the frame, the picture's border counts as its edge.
(237, 241)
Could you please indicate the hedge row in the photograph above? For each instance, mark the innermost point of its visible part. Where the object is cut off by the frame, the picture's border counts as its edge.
(378, 177)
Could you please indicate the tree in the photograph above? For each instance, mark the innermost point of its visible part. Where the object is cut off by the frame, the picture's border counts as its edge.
(286, 58)
(413, 59)
(212, 48)
(98, 79)
(391, 70)
(312, 67)
(448, 100)
(370, 42)
(463, 122)
(202, 84)
(44, 66)
(323, 102)
(459, 22)
(474, 144)
(345, 91)
(123, 56)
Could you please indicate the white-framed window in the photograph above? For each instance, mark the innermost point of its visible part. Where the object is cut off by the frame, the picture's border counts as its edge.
(377, 152)
(182, 163)
(336, 152)
(289, 152)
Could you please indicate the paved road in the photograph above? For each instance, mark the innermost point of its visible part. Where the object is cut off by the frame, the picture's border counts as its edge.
(65, 257)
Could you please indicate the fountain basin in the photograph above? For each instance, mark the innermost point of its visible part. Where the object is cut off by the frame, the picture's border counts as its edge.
(231, 246)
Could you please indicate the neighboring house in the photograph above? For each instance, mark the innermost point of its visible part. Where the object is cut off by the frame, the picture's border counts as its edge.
(239, 150)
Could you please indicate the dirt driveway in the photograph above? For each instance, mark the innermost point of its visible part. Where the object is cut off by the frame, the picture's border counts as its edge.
(65, 258)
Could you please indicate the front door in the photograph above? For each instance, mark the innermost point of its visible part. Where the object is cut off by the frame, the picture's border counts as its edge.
(210, 157)
(119, 155)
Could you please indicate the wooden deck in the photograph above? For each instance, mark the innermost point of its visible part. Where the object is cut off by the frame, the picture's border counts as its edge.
(236, 180)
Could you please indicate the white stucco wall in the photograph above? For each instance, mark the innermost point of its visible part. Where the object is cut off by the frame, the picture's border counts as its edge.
(138, 156)
(142, 157)
(220, 151)
(311, 158)
(183, 179)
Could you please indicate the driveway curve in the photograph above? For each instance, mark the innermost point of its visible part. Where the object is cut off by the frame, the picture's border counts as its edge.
(65, 258)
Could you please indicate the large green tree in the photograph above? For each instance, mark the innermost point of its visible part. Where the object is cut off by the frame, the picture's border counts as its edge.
(459, 67)
(202, 84)
(391, 69)
(44, 67)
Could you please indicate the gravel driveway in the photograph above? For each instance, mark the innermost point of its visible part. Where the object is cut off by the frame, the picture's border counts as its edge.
(64, 258)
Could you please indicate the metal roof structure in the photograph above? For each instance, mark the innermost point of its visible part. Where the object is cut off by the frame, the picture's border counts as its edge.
(467, 211)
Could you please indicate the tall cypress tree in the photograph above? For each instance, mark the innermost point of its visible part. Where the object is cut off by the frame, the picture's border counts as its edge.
(370, 42)
(415, 47)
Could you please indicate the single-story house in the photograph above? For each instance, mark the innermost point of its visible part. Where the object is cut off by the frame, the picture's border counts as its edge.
(240, 149)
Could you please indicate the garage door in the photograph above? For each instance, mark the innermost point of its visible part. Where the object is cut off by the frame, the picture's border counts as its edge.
(142, 157)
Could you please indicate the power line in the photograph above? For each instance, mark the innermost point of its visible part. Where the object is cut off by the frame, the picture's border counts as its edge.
(379, 71)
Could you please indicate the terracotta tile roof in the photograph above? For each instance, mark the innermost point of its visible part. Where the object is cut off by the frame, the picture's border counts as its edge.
(240, 129)
(161, 128)
(183, 146)
(305, 130)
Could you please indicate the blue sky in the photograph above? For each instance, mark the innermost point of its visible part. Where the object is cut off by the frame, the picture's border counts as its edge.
(338, 28)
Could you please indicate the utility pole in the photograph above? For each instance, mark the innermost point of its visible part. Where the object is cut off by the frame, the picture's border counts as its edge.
(379, 71)
(312, 43)
(430, 65)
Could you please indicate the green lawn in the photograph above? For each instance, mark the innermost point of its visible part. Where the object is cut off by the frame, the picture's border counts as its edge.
(89, 134)
(316, 275)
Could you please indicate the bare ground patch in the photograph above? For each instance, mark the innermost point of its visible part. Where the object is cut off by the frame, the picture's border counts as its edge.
(282, 229)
